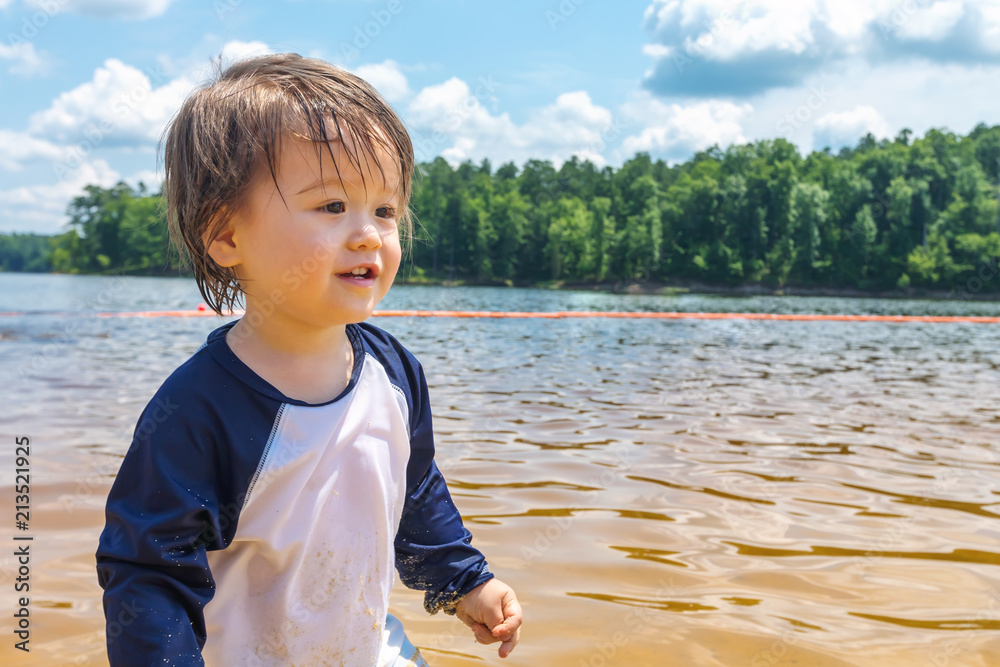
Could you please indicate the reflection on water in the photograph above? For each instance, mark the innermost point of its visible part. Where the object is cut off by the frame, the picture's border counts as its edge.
(658, 492)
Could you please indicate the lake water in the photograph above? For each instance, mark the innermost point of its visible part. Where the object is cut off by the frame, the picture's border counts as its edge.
(658, 492)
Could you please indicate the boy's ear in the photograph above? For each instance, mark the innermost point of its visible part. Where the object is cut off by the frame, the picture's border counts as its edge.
(222, 248)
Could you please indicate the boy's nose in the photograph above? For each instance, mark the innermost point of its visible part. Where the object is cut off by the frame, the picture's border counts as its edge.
(366, 235)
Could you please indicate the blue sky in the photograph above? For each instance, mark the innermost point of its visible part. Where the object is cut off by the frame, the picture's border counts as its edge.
(88, 85)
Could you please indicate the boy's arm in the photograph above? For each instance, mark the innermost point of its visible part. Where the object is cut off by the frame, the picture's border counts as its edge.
(433, 549)
(161, 514)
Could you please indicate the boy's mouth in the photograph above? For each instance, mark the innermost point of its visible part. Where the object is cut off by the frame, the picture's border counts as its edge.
(366, 272)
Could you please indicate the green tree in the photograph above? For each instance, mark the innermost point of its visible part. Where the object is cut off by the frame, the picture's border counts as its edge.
(809, 209)
(571, 248)
(912, 211)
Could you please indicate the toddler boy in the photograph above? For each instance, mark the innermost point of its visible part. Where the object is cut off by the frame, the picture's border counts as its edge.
(280, 474)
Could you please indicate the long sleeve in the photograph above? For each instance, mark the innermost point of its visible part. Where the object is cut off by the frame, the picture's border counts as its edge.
(161, 516)
(433, 549)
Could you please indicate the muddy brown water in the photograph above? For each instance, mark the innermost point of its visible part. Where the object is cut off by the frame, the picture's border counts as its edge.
(657, 492)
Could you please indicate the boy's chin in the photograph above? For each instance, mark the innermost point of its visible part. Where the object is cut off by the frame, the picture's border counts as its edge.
(359, 315)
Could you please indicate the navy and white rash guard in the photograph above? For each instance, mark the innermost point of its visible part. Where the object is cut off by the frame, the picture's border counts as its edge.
(248, 528)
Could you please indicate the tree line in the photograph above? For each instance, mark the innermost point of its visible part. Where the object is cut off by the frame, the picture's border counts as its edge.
(890, 213)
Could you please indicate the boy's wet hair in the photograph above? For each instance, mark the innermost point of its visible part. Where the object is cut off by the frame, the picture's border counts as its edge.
(228, 132)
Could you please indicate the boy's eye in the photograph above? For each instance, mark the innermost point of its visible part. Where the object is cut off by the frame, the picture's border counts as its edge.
(334, 207)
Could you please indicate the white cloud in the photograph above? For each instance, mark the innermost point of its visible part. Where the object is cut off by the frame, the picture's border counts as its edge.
(676, 131)
(19, 148)
(106, 9)
(728, 29)
(444, 107)
(574, 125)
(739, 47)
(151, 179)
(388, 80)
(449, 113)
(844, 128)
(42, 208)
(724, 30)
(237, 50)
(931, 23)
(201, 63)
(119, 106)
(120, 109)
(27, 61)
(917, 96)
(450, 119)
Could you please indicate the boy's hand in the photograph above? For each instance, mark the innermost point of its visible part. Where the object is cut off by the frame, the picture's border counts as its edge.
(493, 613)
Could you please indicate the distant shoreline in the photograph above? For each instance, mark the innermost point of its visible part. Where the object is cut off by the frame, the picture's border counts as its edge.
(650, 287)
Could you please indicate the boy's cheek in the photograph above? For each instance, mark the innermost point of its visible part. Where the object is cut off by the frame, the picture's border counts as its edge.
(390, 276)
(291, 280)
(320, 251)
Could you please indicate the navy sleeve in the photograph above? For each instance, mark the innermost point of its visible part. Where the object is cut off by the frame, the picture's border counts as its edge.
(433, 549)
(161, 517)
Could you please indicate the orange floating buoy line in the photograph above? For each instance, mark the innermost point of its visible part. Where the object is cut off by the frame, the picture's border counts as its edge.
(689, 316)
(203, 311)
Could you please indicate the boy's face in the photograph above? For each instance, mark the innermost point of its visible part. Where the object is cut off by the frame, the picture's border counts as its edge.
(296, 256)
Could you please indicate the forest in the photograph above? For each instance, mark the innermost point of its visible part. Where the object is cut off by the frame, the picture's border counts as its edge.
(882, 215)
